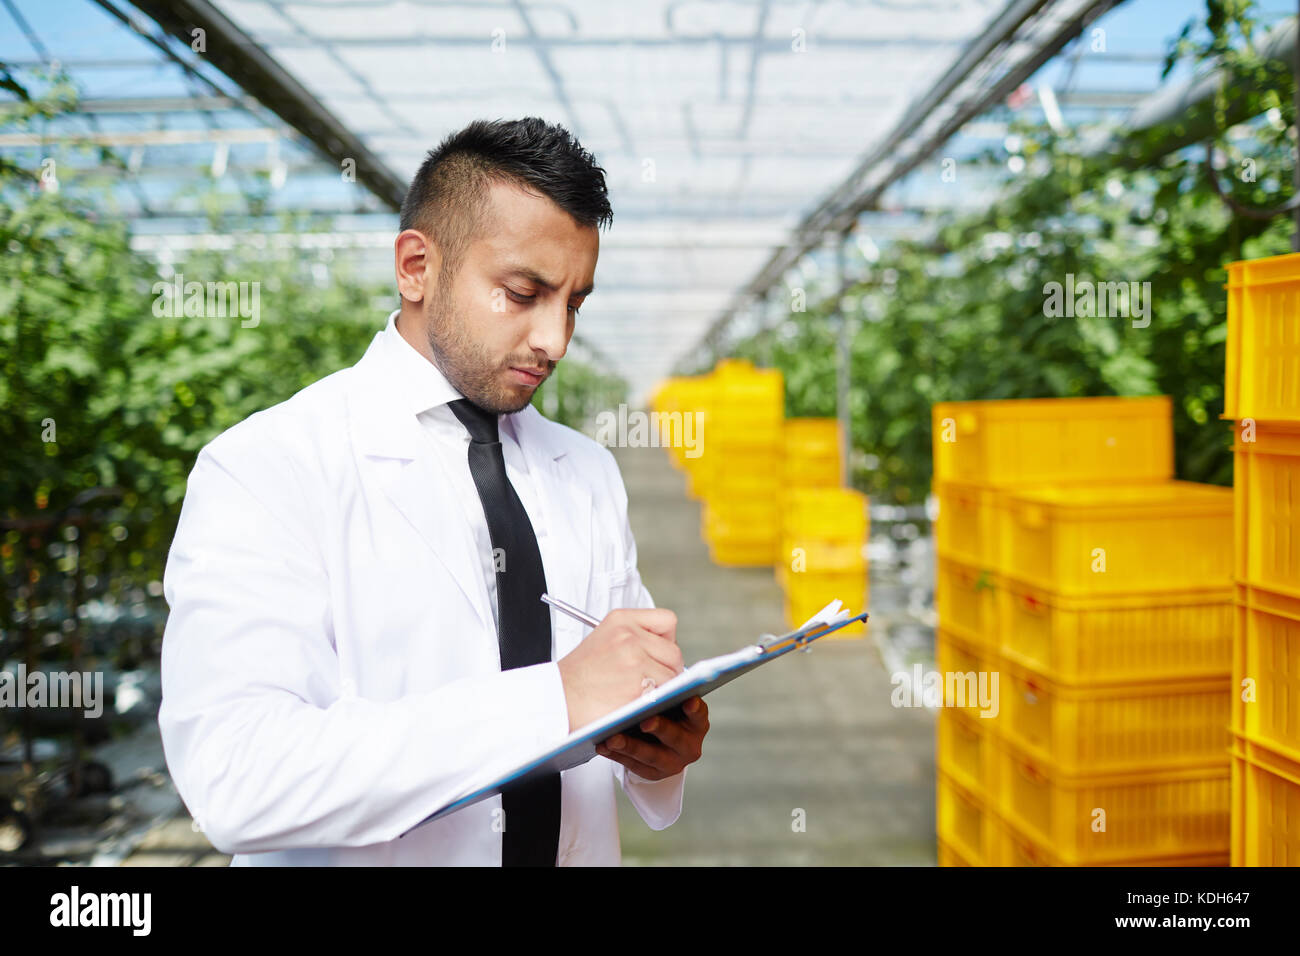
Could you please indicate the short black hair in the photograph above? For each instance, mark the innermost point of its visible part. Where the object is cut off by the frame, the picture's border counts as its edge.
(448, 197)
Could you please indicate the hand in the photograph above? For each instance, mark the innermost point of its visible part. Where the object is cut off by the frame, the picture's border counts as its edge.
(606, 670)
(680, 743)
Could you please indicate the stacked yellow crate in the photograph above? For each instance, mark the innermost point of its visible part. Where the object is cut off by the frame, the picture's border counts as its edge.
(742, 447)
(1262, 396)
(1114, 643)
(823, 554)
(824, 535)
(812, 453)
(1056, 573)
(770, 487)
(684, 400)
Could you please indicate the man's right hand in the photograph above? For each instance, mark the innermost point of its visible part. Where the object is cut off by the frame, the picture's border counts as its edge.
(608, 668)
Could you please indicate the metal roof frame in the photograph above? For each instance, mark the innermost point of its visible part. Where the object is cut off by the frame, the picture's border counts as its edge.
(233, 52)
(837, 214)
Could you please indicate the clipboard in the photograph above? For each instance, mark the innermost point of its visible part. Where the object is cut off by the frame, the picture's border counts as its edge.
(695, 681)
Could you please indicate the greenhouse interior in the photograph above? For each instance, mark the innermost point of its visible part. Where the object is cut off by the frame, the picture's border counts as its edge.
(954, 344)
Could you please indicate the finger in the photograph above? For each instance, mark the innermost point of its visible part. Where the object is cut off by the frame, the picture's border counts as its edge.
(657, 672)
(650, 773)
(661, 650)
(663, 759)
(637, 767)
(697, 713)
(659, 620)
(672, 735)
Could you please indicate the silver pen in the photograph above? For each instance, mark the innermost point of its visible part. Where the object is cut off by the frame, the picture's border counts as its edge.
(576, 613)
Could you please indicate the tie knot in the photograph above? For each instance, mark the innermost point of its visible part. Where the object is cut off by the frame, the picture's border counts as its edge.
(481, 424)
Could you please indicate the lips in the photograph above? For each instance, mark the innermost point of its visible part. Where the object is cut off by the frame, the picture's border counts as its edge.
(528, 377)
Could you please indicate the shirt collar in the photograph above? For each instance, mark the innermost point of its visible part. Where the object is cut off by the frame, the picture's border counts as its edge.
(422, 384)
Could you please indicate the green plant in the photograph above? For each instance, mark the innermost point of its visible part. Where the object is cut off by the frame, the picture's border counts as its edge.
(962, 315)
(103, 386)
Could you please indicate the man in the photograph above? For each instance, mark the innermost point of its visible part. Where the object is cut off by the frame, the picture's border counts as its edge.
(356, 628)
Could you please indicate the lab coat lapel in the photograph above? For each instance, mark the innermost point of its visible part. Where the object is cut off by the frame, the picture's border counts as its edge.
(418, 483)
(565, 500)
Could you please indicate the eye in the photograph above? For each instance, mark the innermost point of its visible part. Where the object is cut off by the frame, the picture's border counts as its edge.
(518, 296)
(573, 309)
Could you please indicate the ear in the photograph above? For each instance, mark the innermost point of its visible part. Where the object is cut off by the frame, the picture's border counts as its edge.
(416, 260)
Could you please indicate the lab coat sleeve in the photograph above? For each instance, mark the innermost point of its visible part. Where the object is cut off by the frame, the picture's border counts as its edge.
(266, 749)
(658, 801)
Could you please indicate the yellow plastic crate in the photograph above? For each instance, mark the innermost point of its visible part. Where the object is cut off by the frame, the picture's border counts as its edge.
(732, 366)
(950, 856)
(1262, 379)
(813, 587)
(816, 555)
(972, 678)
(964, 821)
(826, 513)
(744, 516)
(808, 592)
(756, 396)
(741, 552)
(1178, 812)
(966, 599)
(1013, 848)
(1145, 637)
(811, 472)
(726, 434)
(1265, 807)
(964, 749)
(757, 486)
(741, 520)
(1115, 728)
(741, 486)
(1267, 522)
(1121, 539)
(733, 545)
(1266, 651)
(1043, 441)
(969, 523)
(812, 438)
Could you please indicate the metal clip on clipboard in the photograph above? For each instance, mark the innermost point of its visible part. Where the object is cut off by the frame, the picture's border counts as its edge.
(804, 636)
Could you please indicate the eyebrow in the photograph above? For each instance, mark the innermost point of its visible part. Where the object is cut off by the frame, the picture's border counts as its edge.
(534, 276)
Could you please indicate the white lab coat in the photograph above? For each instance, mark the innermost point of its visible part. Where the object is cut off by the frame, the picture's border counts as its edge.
(330, 664)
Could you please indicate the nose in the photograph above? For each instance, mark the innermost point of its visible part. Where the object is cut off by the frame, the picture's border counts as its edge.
(551, 330)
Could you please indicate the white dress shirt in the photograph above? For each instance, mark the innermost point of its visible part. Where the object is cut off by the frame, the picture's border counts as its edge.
(427, 391)
(330, 665)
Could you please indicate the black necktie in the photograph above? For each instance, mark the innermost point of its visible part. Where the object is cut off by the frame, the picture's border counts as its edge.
(532, 809)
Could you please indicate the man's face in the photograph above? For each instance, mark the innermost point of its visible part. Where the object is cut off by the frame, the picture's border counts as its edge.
(509, 308)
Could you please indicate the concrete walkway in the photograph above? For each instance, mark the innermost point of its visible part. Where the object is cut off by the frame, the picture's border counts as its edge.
(813, 731)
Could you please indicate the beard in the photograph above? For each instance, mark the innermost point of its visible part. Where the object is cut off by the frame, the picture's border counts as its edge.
(466, 364)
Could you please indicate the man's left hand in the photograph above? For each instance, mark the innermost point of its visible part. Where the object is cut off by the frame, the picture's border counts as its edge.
(680, 743)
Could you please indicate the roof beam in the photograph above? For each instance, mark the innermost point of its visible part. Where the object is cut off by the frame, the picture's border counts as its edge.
(233, 52)
(839, 210)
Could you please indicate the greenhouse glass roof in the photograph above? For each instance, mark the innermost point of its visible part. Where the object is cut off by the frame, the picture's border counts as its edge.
(723, 126)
